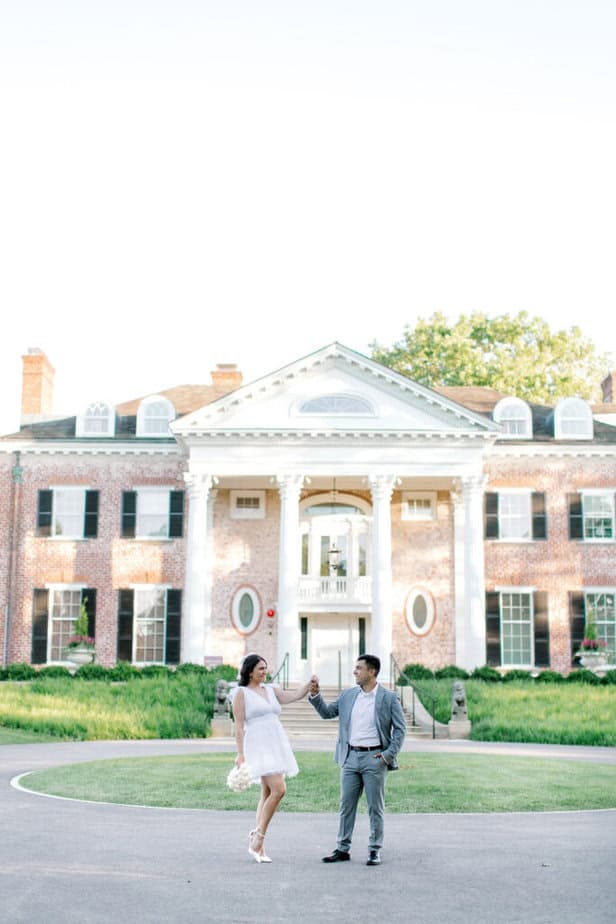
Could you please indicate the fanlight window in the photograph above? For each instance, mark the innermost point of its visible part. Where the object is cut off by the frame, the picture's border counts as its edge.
(573, 420)
(245, 610)
(337, 404)
(97, 420)
(514, 416)
(154, 416)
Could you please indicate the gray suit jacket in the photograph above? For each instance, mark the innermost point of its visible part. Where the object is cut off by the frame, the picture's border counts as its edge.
(388, 716)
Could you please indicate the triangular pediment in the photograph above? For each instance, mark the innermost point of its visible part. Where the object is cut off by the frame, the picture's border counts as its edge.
(334, 389)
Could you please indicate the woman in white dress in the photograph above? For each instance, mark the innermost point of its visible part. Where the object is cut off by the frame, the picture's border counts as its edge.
(262, 742)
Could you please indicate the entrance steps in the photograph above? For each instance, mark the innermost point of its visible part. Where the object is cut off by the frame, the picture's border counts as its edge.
(301, 720)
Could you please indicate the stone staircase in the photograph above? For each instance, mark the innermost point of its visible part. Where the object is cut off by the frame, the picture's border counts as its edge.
(301, 720)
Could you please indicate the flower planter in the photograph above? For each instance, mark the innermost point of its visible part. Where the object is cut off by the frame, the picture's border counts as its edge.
(78, 656)
(592, 660)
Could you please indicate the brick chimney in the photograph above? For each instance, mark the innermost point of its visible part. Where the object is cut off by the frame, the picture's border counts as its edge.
(36, 386)
(226, 376)
(608, 387)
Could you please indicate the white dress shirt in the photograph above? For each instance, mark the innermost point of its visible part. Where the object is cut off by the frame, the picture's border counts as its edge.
(363, 731)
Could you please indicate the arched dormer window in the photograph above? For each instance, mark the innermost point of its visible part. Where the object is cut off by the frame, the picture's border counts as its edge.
(514, 416)
(98, 419)
(340, 405)
(154, 416)
(573, 420)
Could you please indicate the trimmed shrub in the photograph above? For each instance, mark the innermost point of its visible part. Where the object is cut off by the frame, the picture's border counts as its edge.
(583, 676)
(156, 670)
(451, 672)
(609, 677)
(225, 672)
(418, 672)
(486, 673)
(123, 671)
(524, 676)
(550, 677)
(21, 672)
(187, 667)
(53, 670)
(92, 672)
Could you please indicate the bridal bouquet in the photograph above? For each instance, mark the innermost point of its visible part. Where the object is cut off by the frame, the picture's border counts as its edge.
(239, 778)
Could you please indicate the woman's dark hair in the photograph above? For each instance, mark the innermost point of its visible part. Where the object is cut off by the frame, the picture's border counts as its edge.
(248, 665)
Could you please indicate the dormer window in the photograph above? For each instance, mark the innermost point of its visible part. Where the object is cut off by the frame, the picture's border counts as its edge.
(573, 420)
(340, 405)
(154, 416)
(514, 416)
(98, 419)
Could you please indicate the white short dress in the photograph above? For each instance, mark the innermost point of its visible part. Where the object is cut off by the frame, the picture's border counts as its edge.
(266, 746)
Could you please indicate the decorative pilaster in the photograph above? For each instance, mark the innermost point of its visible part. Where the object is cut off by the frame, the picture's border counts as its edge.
(381, 487)
(287, 639)
(457, 501)
(198, 586)
(474, 572)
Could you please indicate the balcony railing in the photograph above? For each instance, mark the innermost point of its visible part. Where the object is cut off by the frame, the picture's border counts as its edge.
(335, 590)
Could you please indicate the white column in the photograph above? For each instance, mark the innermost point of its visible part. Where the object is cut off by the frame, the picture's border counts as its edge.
(381, 487)
(457, 501)
(287, 638)
(198, 590)
(474, 573)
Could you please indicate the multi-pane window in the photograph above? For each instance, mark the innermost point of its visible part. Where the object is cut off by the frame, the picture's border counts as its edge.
(97, 420)
(64, 612)
(514, 416)
(598, 512)
(601, 606)
(247, 505)
(154, 416)
(67, 512)
(573, 419)
(514, 516)
(516, 628)
(54, 614)
(152, 513)
(418, 505)
(150, 614)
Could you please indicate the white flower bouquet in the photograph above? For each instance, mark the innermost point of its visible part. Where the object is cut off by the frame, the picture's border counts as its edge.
(239, 778)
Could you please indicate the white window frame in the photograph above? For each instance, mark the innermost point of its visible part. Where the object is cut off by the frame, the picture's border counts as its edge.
(256, 613)
(67, 489)
(563, 414)
(143, 492)
(246, 513)
(506, 494)
(423, 514)
(143, 420)
(412, 598)
(52, 590)
(91, 413)
(148, 589)
(606, 629)
(610, 494)
(524, 416)
(521, 591)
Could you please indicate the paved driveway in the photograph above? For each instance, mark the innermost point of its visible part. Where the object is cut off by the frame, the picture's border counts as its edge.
(63, 861)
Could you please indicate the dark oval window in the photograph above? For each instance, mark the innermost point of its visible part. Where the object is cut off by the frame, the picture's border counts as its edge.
(420, 612)
(245, 610)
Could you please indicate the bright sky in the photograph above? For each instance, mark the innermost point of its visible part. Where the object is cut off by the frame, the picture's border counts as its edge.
(187, 182)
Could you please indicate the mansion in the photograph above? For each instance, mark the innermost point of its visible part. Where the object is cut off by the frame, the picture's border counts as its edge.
(330, 508)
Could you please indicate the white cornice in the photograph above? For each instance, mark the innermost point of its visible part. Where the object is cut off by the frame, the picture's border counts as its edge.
(554, 450)
(89, 448)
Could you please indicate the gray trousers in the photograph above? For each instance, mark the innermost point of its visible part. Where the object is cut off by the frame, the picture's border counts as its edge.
(362, 771)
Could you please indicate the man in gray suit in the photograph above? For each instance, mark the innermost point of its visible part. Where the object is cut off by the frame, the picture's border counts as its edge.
(370, 733)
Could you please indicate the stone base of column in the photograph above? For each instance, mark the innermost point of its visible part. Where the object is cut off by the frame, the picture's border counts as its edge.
(459, 728)
(222, 727)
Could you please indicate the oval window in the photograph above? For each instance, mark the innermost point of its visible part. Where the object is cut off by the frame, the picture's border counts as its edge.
(420, 611)
(246, 610)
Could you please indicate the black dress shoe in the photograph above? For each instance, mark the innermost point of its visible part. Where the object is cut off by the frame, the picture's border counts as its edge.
(374, 859)
(337, 857)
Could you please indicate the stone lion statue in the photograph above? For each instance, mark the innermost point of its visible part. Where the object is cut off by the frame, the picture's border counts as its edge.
(459, 709)
(221, 698)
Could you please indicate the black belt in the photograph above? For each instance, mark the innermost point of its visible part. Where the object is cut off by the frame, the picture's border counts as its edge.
(357, 747)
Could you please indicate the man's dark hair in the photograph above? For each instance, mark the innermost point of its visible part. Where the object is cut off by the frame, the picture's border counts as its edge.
(371, 661)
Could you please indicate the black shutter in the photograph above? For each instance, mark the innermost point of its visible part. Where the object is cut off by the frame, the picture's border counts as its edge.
(491, 516)
(90, 525)
(40, 621)
(43, 516)
(174, 627)
(540, 526)
(88, 596)
(577, 620)
(129, 514)
(576, 518)
(125, 625)
(542, 629)
(176, 514)
(493, 629)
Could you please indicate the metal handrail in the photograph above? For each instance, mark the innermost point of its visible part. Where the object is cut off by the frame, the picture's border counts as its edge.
(284, 670)
(395, 673)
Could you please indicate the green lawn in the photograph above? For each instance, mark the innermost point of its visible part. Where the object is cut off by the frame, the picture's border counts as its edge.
(424, 783)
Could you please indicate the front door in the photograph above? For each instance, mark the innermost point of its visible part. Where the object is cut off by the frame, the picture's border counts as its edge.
(334, 640)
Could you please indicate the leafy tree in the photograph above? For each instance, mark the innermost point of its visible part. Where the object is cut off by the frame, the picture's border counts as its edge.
(516, 355)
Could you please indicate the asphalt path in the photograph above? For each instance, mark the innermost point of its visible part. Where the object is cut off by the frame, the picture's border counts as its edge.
(68, 861)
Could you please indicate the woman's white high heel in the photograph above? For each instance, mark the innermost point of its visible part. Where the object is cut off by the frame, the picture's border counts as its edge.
(259, 856)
